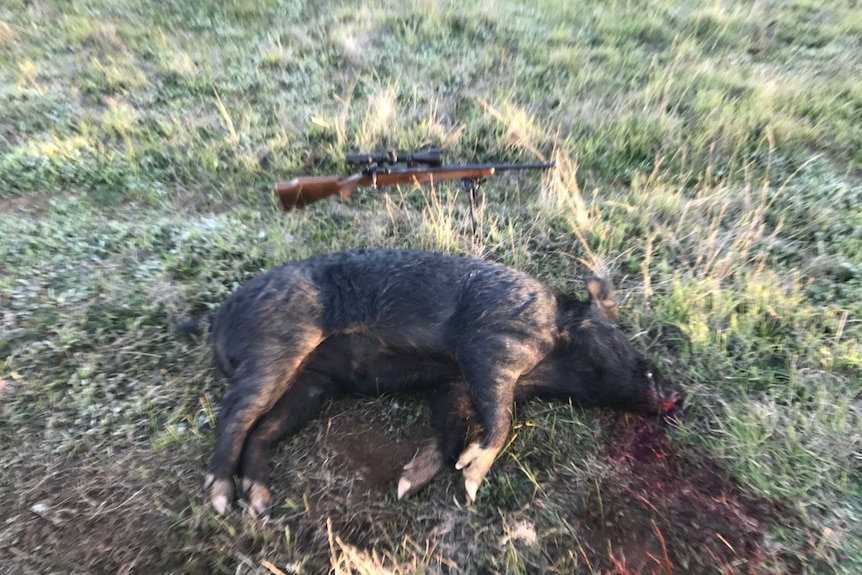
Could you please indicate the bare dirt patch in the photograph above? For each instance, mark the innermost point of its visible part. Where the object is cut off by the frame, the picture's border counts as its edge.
(88, 515)
(365, 450)
(32, 206)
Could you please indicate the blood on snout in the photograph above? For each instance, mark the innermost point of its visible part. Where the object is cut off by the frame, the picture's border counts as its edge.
(663, 405)
(671, 403)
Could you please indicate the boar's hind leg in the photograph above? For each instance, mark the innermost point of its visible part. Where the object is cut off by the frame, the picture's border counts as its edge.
(452, 416)
(255, 387)
(295, 408)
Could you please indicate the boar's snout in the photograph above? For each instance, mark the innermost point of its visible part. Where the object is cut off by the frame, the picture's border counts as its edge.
(671, 404)
(661, 400)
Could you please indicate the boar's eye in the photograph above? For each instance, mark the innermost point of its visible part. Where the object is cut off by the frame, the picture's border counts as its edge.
(649, 375)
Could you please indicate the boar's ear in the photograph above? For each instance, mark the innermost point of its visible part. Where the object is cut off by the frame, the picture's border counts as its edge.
(602, 296)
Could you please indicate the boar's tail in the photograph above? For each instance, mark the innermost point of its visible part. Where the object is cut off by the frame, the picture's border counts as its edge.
(195, 328)
(602, 296)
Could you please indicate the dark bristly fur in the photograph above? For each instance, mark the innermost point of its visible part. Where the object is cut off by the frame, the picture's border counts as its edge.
(474, 334)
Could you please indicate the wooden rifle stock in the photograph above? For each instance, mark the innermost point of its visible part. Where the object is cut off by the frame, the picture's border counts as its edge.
(300, 192)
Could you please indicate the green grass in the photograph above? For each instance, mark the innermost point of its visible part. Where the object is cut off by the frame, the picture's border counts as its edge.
(709, 162)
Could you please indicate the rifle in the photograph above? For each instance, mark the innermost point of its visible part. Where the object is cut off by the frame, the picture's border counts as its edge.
(381, 170)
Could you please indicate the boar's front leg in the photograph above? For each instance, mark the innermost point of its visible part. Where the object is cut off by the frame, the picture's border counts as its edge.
(452, 416)
(492, 371)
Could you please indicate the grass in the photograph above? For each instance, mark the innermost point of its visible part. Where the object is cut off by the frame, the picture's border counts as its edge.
(709, 162)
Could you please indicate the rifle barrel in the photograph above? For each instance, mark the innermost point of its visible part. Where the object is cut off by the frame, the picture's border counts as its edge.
(456, 167)
(503, 167)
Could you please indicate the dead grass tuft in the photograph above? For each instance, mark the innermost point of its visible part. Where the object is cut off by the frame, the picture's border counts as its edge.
(7, 33)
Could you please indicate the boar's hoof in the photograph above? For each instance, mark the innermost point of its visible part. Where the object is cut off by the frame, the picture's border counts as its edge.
(221, 493)
(259, 499)
(475, 462)
(421, 470)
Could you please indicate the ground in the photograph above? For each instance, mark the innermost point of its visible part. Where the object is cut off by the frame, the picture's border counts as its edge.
(641, 506)
(707, 162)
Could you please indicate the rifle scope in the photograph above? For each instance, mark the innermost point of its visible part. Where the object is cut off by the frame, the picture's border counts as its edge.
(425, 157)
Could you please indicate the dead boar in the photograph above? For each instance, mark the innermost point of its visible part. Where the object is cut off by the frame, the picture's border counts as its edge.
(474, 335)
